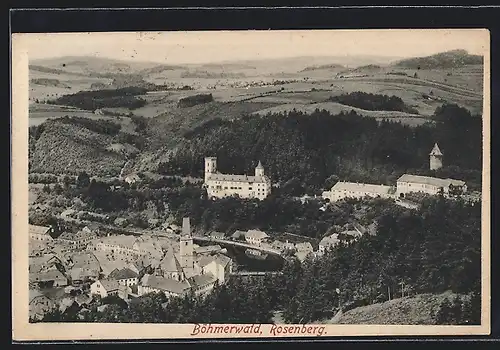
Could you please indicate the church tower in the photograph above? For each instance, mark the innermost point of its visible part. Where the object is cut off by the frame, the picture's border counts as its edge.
(186, 248)
(210, 166)
(259, 170)
(436, 158)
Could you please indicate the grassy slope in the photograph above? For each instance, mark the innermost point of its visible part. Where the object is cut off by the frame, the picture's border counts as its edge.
(417, 310)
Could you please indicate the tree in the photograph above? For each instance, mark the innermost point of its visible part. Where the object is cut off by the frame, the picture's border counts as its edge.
(82, 180)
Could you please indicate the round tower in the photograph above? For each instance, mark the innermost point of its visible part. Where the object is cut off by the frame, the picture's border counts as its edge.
(436, 158)
(259, 170)
(210, 166)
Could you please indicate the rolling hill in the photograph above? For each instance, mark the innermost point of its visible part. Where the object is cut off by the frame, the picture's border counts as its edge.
(444, 60)
(305, 85)
(417, 310)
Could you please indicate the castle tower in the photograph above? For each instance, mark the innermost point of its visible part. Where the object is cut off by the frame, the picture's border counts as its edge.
(186, 248)
(210, 166)
(259, 170)
(435, 158)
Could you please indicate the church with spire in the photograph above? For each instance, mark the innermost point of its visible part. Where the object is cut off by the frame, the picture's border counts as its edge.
(244, 186)
(187, 269)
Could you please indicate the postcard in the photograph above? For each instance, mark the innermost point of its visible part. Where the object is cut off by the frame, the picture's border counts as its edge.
(250, 184)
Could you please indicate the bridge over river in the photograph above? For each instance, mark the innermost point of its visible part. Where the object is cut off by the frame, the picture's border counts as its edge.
(266, 250)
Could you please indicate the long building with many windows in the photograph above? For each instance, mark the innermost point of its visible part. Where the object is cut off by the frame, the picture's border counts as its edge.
(225, 185)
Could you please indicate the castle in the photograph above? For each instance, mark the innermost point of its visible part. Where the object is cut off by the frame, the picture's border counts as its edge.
(222, 185)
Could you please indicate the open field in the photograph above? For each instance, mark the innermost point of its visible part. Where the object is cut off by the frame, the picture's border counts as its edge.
(39, 113)
(238, 88)
(68, 83)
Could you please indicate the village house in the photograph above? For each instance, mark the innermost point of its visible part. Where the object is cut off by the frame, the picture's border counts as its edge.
(43, 263)
(302, 250)
(137, 267)
(81, 275)
(121, 245)
(327, 243)
(255, 237)
(48, 278)
(44, 271)
(148, 247)
(219, 266)
(85, 260)
(78, 240)
(39, 304)
(343, 190)
(238, 235)
(125, 277)
(40, 233)
(429, 185)
(159, 284)
(202, 285)
(107, 287)
(84, 267)
(223, 185)
(217, 235)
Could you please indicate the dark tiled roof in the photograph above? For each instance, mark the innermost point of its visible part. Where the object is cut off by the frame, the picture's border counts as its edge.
(202, 280)
(170, 262)
(427, 180)
(122, 274)
(166, 284)
(109, 285)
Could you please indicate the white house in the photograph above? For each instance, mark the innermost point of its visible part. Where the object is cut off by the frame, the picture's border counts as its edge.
(255, 237)
(105, 287)
(122, 245)
(220, 266)
(40, 233)
(343, 190)
(125, 277)
(223, 185)
(328, 242)
(430, 185)
(78, 240)
(168, 286)
(217, 235)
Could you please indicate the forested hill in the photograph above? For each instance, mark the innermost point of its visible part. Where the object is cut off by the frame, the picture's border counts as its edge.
(449, 59)
(308, 149)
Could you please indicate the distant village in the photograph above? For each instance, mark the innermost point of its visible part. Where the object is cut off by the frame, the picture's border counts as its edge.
(79, 266)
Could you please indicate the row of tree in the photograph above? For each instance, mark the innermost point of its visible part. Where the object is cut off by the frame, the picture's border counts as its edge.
(108, 98)
(373, 102)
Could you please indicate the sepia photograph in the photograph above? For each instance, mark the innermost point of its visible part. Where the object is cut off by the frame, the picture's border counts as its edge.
(225, 184)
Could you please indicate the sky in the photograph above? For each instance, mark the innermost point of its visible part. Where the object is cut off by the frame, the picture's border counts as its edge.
(203, 47)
